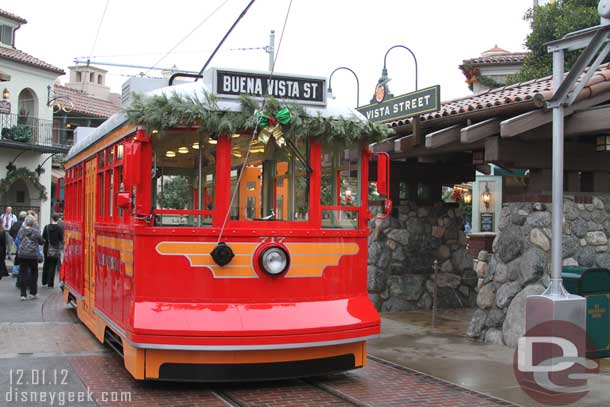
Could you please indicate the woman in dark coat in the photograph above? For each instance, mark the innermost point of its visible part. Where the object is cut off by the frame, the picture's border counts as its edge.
(53, 237)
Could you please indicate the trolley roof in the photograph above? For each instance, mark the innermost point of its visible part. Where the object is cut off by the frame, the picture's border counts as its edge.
(327, 108)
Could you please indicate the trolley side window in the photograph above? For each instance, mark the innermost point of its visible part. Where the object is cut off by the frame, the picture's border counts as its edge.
(274, 182)
(184, 172)
(340, 187)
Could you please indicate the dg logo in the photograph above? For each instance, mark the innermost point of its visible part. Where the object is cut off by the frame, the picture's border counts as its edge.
(550, 363)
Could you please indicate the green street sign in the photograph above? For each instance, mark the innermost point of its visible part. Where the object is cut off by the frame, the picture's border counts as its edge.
(403, 106)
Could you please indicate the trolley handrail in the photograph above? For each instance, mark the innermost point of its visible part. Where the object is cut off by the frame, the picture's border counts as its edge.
(182, 212)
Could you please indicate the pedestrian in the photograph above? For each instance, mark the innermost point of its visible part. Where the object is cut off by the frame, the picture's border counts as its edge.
(14, 232)
(7, 219)
(3, 271)
(29, 240)
(53, 238)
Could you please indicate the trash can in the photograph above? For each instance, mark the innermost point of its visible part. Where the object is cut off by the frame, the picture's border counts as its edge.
(594, 285)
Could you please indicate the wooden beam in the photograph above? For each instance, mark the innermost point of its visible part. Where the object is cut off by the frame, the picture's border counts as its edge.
(404, 144)
(418, 132)
(589, 121)
(443, 137)
(480, 130)
(384, 146)
(528, 121)
(524, 122)
(538, 155)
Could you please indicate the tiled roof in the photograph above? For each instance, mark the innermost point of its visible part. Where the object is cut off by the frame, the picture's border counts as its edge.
(510, 58)
(514, 97)
(12, 16)
(27, 59)
(87, 104)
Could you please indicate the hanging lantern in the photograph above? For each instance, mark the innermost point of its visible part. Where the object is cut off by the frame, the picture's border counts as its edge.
(467, 197)
(486, 197)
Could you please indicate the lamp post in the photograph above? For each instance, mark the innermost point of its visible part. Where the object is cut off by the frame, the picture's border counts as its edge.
(330, 78)
(384, 72)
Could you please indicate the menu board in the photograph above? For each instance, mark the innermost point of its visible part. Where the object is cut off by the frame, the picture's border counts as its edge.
(487, 222)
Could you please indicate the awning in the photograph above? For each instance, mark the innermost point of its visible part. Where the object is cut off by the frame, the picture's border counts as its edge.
(4, 77)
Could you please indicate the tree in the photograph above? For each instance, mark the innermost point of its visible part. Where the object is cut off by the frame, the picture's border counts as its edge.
(177, 193)
(551, 22)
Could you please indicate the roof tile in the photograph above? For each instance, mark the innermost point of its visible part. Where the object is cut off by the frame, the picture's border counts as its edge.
(85, 104)
(13, 17)
(511, 58)
(25, 58)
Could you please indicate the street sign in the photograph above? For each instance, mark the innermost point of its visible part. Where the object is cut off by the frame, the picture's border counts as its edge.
(403, 106)
(298, 88)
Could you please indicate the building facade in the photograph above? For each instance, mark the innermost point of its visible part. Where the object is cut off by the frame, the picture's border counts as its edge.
(26, 124)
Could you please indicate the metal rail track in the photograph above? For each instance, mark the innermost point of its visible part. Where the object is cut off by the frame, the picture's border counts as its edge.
(231, 401)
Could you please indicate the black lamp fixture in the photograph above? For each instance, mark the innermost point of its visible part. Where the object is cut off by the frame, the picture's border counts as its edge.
(330, 78)
(10, 167)
(382, 91)
(39, 169)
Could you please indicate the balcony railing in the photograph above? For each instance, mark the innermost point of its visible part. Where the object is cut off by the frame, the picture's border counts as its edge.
(27, 132)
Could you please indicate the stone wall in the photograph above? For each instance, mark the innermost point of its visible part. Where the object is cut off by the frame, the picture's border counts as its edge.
(520, 263)
(401, 254)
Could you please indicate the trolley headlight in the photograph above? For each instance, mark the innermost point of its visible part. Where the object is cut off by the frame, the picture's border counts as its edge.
(274, 261)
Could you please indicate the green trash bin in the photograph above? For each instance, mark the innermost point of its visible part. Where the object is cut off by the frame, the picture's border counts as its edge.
(594, 285)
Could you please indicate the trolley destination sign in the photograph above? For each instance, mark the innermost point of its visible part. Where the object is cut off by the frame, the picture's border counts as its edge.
(301, 89)
(407, 105)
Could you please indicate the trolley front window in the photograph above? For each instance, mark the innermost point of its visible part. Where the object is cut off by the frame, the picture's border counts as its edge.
(273, 184)
(184, 170)
(340, 189)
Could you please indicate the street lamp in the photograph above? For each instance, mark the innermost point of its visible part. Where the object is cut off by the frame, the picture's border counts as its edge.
(330, 78)
(383, 80)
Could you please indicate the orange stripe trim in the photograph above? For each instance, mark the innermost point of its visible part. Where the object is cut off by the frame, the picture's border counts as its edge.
(102, 143)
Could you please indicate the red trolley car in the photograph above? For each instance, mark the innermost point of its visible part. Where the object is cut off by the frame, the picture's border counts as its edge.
(201, 256)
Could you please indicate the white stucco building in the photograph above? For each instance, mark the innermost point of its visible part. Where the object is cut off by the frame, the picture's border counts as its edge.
(26, 124)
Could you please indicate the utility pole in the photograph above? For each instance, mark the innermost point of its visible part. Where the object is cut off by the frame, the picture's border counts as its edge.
(271, 50)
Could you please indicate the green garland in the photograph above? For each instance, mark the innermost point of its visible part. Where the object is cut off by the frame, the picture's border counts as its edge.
(473, 75)
(25, 175)
(161, 112)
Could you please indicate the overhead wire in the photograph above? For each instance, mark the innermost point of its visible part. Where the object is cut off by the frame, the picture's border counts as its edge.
(202, 22)
(238, 183)
(192, 51)
(97, 34)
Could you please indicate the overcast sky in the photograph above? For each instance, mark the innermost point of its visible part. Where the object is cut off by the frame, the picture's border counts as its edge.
(320, 36)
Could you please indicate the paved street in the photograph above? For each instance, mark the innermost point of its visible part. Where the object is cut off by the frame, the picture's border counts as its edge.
(46, 353)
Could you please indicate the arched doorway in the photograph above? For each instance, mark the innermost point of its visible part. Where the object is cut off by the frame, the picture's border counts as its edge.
(18, 197)
(27, 110)
(27, 105)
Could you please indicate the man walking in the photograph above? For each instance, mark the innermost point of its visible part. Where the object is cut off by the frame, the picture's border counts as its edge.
(7, 219)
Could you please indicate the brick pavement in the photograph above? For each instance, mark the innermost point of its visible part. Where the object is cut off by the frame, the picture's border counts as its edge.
(285, 393)
(106, 373)
(381, 385)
